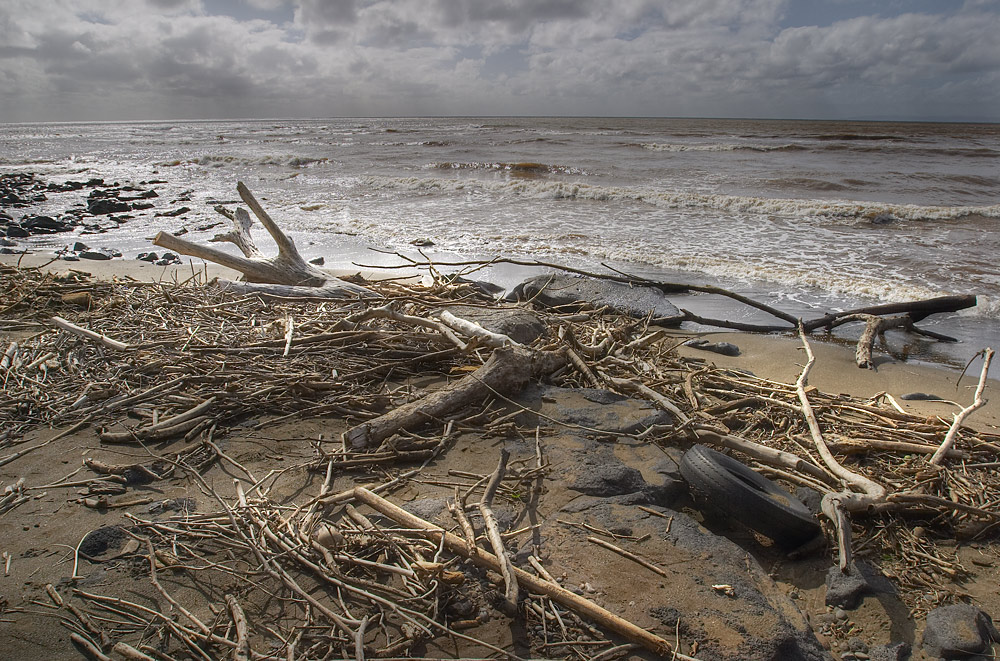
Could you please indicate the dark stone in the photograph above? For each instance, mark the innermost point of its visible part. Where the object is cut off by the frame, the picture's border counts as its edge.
(101, 540)
(427, 509)
(106, 205)
(556, 290)
(175, 212)
(845, 590)
(15, 231)
(80, 246)
(921, 396)
(890, 652)
(519, 325)
(13, 251)
(318, 261)
(600, 410)
(142, 206)
(422, 243)
(810, 498)
(44, 224)
(723, 348)
(100, 254)
(958, 631)
(608, 478)
(147, 257)
(7, 243)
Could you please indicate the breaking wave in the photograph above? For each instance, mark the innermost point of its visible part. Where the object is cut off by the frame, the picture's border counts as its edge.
(682, 147)
(524, 169)
(559, 190)
(222, 160)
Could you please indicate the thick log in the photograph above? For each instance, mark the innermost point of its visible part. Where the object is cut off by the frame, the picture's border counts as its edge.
(916, 310)
(506, 372)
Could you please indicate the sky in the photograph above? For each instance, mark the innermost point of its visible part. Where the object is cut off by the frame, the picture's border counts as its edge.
(69, 60)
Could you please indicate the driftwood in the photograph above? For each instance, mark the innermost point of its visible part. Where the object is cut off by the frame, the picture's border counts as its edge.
(527, 581)
(506, 372)
(911, 312)
(285, 275)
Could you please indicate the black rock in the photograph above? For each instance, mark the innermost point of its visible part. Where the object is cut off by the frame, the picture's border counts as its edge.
(555, 290)
(15, 231)
(958, 631)
(104, 206)
(142, 206)
(102, 540)
(318, 261)
(147, 257)
(80, 246)
(176, 212)
(723, 348)
(7, 243)
(44, 224)
(845, 590)
(921, 396)
(13, 251)
(100, 254)
(519, 325)
(890, 652)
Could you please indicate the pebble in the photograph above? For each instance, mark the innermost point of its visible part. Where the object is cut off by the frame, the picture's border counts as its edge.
(840, 614)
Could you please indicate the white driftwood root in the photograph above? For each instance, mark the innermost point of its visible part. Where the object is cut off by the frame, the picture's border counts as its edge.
(978, 401)
(527, 581)
(836, 505)
(285, 274)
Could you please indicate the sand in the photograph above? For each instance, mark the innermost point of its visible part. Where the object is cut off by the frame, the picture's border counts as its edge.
(37, 536)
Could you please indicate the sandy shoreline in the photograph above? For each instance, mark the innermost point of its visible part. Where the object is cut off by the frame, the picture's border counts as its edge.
(774, 357)
(240, 407)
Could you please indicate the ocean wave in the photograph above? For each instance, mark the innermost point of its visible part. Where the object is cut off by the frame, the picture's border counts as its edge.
(225, 160)
(523, 169)
(560, 190)
(719, 147)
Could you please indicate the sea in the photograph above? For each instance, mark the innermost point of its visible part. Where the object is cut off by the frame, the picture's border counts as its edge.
(807, 216)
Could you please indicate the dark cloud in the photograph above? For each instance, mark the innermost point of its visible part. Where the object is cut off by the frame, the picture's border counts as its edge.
(685, 57)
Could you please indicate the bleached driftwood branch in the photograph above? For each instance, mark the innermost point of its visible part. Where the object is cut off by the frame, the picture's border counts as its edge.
(285, 274)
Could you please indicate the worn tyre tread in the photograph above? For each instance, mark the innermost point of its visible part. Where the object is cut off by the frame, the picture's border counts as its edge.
(748, 497)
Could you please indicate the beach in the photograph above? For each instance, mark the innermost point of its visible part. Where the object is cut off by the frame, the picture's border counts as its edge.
(581, 437)
(205, 448)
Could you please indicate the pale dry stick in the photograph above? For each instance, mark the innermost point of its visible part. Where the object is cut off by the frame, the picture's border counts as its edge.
(528, 581)
(468, 531)
(493, 534)
(472, 329)
(242, 650)
(836, 505)
(166, 595)
(130, 652)
(630, 556)
(289, 331)
(89, 334)
(92, 649)
(634, 385)
(978, 401)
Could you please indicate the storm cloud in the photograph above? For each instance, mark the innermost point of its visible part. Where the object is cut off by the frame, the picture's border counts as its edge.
(165, 59)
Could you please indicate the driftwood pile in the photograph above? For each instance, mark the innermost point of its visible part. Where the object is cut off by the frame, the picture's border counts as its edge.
(187, 362)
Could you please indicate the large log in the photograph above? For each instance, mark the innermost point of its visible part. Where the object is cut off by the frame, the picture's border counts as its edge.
(267, 275)
(506, 372)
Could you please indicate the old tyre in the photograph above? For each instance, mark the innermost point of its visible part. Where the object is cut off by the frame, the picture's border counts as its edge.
(748, 497)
